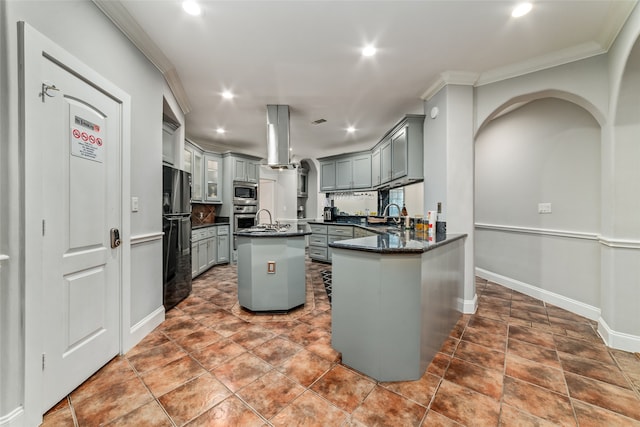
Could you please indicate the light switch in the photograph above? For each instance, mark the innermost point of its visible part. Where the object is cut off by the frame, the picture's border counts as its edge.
(134, 204)
(544, 208)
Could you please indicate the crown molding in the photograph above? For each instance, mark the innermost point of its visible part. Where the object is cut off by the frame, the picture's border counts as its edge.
(118, 14)
(463, 78)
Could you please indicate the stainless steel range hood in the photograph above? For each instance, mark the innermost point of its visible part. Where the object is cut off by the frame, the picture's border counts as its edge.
(278, 137)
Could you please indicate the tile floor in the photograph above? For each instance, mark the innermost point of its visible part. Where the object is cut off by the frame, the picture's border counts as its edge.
(516, 362)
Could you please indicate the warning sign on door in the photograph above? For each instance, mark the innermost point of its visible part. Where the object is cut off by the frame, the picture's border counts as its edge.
(87, 139)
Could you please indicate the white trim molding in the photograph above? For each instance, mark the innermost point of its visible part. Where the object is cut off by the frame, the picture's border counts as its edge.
(144, 238)
(577, 307)
(618, 340)
(141, 329)
(13, 418)
(467, 306)
(620, 243)
(538, 231)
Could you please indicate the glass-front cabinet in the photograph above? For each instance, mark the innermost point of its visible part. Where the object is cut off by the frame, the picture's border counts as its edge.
(213, 171)
(196, 176)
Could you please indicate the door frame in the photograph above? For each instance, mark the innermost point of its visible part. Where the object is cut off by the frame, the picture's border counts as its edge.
(32, 46)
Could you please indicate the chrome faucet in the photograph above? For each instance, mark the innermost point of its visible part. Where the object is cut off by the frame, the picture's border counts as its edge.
(384, 212)
(258, 216)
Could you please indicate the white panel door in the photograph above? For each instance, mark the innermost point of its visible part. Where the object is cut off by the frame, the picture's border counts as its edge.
(81, 203)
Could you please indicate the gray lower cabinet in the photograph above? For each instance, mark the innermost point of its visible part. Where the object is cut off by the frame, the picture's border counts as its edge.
(322, 235)
(209, 246)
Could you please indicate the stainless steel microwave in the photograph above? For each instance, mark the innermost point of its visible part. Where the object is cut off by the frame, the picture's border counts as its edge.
(245, 193)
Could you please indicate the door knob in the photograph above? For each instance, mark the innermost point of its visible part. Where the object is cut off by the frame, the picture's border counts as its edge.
(115, 238)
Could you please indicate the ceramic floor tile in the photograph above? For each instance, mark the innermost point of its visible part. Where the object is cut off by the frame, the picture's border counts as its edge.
(531, 308)
(179, 326)
(583, 349)
(485, 339)
(561, 313)
(154, 339)
(193, 398)
(593, 416)
(310, 410)
(230, 326)
(520, 297)
(270, 393)
(230, 412)
(172, 375)
(198, 339)
(156, 357)
(460, 325)
(117, 371)
(322, 347)
(479, 355)
(252, 336)
(491, 326)
(149, 415)
(474, 377)
(276, 350)
(439, 364)
(529, 316)
(217, 353)
(535, 353)
(449, 346)
(538, 401)
(532, 336)
(420, 391)
(344, 388)
(535, 373)
(118, 400)
(59, 417)
(304, 367)
(593, 369)
(385, 408)
(510, 416)
(240, 371)
(465, 406)
(434, 419)
(616, 399)
(501, 314)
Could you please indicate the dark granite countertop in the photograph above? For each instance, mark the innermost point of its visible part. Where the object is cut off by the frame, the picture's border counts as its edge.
(286, 233)
(396, 242)
(195, 227)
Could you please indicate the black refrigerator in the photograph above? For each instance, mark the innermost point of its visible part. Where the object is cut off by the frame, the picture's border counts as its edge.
(176, 225)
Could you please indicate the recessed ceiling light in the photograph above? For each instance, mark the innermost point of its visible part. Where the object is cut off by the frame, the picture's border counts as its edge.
(191, 7)
(521, 9)
(227, 94)
(351, 129)
(220, 130)
(369, 50)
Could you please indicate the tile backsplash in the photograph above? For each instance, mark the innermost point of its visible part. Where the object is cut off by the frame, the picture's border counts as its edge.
(203, 214)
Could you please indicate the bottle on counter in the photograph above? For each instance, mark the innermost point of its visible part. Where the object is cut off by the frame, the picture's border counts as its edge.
(407, 220)
(441, 225)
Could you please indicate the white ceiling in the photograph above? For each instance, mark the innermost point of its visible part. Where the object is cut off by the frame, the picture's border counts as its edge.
(306, 54)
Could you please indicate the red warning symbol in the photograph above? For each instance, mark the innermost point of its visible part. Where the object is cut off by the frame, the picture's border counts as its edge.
(92, 139)
(84, 136)
(99, 142)
(76, 133)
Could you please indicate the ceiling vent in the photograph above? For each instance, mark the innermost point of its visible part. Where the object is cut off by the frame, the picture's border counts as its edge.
(278, 137)
(318, 122)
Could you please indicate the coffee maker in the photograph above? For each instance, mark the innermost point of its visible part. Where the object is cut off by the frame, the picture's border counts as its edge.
(330, 213)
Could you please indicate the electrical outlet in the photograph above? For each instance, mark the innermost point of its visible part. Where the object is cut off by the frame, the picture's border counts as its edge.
(544, 208)
(271, 267)
(134, 204)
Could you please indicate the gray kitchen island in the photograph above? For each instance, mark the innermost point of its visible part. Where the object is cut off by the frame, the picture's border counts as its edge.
(395, 300)
(271, 269)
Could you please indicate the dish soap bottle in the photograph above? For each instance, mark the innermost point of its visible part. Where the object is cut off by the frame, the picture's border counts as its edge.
(406, 216)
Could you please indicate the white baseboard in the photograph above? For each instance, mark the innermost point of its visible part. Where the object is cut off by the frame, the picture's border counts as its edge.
(618, 340)
(577, 307)
(141, 329)
(613, 339)
(468, 306)
(14, 418)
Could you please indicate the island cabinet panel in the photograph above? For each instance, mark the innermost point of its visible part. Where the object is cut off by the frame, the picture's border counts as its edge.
(393, 309)
(223, 244)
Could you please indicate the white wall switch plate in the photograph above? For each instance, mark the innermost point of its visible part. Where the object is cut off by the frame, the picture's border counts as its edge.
(134, 204)
(544, 208)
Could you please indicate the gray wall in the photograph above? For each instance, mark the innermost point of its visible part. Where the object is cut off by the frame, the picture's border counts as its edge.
(80, 28)
(545, 151)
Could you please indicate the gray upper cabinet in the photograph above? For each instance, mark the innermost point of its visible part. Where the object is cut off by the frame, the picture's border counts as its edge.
(396, 160)
(245, 170)
(399, 154)
(213, 174)
(375, 168)
(349, 172)
(328, 175)
(206, 174)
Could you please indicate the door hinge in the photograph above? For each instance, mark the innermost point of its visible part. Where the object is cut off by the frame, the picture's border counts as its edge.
(43, 227)
(43, 361)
